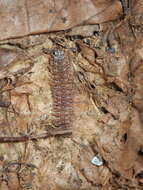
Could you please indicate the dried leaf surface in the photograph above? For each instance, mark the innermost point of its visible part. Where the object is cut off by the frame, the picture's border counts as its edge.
(39, 16)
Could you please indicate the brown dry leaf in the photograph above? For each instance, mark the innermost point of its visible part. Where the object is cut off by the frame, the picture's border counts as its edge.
(7, 56)
(117, 69)
(4, 186)
(138, 87)
(13, 181)
(86, 30)
(87, 52)
(39, 16)
(127, 161)
(87, 60)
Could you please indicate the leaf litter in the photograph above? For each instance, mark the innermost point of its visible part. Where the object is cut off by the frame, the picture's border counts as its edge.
(104, 39)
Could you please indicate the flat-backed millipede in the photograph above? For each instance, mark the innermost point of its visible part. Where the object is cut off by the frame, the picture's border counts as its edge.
(61, 89)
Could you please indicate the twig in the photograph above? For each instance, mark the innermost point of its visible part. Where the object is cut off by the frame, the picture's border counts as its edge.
(53, 132)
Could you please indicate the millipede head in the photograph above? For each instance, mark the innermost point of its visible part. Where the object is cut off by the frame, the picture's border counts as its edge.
(58, 55)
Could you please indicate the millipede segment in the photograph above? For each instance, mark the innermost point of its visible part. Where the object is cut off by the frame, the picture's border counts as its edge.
(62, 89)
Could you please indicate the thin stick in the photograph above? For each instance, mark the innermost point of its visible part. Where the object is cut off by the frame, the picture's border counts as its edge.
(54, 132)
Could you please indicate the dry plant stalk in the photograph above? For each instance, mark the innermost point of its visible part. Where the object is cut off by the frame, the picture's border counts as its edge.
(62, 89)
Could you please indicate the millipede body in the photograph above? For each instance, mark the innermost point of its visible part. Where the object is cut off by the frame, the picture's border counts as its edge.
(62, 89)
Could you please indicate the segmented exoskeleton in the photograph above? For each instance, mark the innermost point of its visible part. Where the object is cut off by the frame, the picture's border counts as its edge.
(62, 89)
